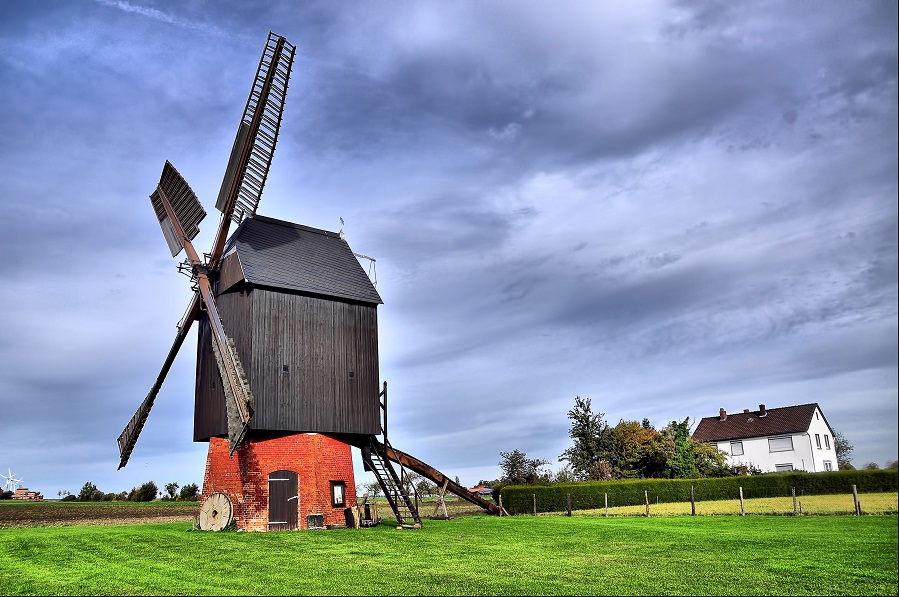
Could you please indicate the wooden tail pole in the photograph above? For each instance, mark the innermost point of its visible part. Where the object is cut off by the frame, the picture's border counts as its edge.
(742, 506)
(793, 492)
(646, 496)
(858, 506)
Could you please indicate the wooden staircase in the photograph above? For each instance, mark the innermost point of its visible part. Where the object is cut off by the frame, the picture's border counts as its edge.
(374, 456)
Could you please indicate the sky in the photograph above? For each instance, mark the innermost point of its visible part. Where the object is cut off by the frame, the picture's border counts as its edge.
(666, 207)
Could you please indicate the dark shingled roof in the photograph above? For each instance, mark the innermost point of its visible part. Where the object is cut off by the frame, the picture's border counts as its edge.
(281, 254)
(777, 421)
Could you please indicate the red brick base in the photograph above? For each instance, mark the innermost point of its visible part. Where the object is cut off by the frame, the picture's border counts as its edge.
(317, 459)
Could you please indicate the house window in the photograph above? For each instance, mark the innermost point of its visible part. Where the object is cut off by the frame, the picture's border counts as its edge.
(783, 468)
(827, 441)
(780, 444)
(818, 440)
(338, 494)
(828, 465)
(736, 448)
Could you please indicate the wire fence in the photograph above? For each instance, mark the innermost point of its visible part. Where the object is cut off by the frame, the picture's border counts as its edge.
(741, 502)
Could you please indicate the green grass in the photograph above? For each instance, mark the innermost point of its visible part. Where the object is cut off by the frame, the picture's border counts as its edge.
(473, 555)
(809, 505)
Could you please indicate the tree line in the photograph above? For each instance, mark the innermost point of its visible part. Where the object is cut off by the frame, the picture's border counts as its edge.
(633, 450)
(145, 493)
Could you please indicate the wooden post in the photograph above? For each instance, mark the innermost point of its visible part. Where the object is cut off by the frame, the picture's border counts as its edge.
(742, 506)
(607, 504)
(500, 504)
(692, 502)
(793, 492)
(569, 504)
(858, 506)
(646, 496)
(441, 491)
(535, 503)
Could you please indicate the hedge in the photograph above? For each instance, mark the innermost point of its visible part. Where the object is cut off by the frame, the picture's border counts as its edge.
(519, 499)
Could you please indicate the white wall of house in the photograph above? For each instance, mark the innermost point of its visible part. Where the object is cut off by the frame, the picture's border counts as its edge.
(812, 451)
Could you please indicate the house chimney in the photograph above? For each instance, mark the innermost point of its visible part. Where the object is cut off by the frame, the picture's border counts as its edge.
(723, 416)
(745, 411)
(762, 411)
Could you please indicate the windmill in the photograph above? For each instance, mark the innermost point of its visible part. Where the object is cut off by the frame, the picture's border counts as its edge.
(11, 481)
(287, 352)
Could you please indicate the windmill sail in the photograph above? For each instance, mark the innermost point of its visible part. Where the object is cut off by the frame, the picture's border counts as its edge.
(184, 203)
(257, 134)
(128, 437)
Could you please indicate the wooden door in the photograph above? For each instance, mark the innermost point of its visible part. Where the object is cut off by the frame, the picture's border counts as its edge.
(283, 500)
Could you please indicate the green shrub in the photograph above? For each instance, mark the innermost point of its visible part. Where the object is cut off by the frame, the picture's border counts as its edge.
(145, 493)
(519, 499)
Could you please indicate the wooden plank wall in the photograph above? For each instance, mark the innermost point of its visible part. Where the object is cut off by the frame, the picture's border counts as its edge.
(320, 341)
(330, 350)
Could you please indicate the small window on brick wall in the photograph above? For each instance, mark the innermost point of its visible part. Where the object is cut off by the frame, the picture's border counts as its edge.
(338, 494)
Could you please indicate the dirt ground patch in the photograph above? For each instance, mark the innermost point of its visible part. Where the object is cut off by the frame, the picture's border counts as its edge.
(53, 513)
(66, 514)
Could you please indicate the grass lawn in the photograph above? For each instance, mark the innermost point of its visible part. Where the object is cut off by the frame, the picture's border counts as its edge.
(472, 555)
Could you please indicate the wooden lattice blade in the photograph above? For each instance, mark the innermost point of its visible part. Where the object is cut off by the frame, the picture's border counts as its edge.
(128, 437)
(257, 135)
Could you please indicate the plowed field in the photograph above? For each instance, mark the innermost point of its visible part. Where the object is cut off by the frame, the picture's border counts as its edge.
(69, 514)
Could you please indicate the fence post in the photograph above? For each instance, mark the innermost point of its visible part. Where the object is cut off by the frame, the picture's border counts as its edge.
(535, 503)
(742, 507)
(569, 504)
(858, 506)
(793, 492)
(607, 504)
(692, 502)
(500, 504)
(646, 495)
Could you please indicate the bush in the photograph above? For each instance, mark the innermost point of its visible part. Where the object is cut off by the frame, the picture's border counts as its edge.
(70, 498)
(189, 493)
(145, 493)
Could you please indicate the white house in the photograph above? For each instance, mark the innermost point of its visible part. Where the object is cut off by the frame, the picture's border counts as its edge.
(792, 438)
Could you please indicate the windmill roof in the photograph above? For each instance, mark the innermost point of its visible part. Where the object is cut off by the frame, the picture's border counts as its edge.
(291, 256)
(777, 421)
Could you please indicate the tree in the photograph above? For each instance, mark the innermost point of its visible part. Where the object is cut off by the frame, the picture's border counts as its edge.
(410, 481)
(844, 451)
(891, 464)
(633, 451)
(682, 463)
(90, 493)
(518, 469)
(189, 492)
(373, 488)
(144, 493)
(425, 487)
(171, 489)
(712, 462)
(564, 475)
(871, 466)
(587, 431)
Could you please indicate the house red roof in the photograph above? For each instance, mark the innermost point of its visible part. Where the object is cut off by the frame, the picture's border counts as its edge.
(759, 423)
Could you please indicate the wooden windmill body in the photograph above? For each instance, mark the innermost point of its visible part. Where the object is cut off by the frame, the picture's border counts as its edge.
(287, 356)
